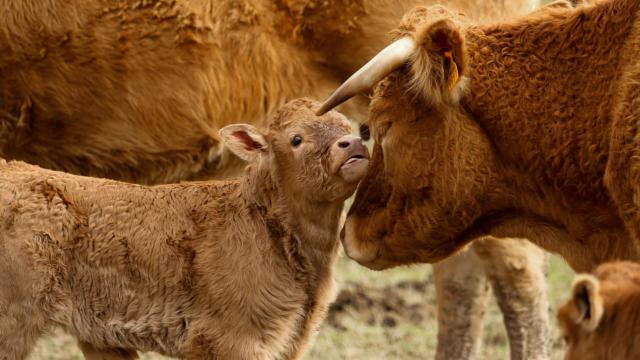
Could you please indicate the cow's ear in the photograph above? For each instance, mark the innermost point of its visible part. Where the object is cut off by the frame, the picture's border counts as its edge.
(587, 301)
(244, 140)
(440, 63)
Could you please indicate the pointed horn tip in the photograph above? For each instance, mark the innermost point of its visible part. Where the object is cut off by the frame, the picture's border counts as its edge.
(329, 104)
(332, 101)
(322, 110)
(386, 61)
(326, 107)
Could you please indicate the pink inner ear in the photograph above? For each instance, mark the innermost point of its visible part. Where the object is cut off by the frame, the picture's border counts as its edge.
(246, 140)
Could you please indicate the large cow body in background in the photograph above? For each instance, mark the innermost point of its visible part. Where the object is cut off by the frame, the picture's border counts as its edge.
(137, 91)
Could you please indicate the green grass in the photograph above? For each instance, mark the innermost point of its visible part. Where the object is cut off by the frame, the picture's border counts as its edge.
(364, 335)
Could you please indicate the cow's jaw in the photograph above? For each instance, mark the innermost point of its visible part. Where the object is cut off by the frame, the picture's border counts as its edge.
(360, 251)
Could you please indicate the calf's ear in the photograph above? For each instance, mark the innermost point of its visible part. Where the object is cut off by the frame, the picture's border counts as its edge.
(440, 63)
(587, 300)
(244, 140)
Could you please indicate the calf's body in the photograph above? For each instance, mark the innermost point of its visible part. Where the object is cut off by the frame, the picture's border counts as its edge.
(231, 270)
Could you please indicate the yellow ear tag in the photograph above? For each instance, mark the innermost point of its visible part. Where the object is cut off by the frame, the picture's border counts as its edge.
(452, 79)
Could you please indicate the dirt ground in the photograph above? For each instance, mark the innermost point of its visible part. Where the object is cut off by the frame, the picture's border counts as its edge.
(377, 315)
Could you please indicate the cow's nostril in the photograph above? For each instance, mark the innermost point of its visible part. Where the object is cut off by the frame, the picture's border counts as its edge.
(343, 144)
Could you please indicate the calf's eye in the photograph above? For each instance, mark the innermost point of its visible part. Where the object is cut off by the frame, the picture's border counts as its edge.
(296, 140)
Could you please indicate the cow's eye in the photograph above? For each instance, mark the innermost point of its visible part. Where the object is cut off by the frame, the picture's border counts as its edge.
(296, 140)
(381, 131)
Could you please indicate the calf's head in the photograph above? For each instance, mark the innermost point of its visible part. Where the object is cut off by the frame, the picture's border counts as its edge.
(312, 158)
(602, 318)
(431, 165)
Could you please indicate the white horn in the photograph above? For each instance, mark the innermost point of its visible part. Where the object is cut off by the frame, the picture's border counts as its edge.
(385, 62)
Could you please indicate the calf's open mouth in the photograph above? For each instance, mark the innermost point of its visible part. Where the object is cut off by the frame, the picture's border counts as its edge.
(355, 166)
(357, 156)
(355, 159)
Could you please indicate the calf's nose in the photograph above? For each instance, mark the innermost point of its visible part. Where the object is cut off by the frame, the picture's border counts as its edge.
(348, 141)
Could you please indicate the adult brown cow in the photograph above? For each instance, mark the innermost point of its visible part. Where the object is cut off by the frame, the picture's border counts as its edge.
(524, 128)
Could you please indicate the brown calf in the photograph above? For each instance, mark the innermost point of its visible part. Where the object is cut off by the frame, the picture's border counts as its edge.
(602, 318)
(238, 269)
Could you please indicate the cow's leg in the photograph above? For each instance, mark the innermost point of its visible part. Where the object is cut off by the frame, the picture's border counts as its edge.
(461, 289)
(92, 353)
(516, 270)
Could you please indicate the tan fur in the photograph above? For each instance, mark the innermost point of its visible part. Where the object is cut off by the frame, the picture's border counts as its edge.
(541, 145)
(231, 270)
(616, 291)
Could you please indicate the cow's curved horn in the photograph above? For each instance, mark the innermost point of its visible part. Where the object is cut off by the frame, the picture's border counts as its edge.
(386, 61)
